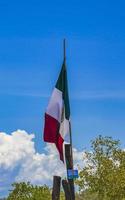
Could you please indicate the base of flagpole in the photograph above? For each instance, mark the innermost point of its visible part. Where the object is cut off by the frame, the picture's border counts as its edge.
(56, 188)
(69, 165)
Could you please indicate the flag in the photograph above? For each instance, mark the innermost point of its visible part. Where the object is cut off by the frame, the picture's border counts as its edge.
(57, 115)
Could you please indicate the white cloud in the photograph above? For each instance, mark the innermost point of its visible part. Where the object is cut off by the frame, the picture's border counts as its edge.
(99, 95)
(15, 148)
(81, 95)
(19, 160)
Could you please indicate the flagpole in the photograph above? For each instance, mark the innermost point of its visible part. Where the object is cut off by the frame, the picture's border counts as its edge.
(68, 147)
(64, 49)
(70, 131)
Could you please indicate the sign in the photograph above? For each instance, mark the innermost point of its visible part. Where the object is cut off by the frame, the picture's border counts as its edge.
(72, 174)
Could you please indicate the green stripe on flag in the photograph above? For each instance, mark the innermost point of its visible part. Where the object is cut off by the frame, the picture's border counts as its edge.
(62, 85)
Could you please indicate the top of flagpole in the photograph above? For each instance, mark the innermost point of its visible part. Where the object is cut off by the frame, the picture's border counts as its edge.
(64, 48)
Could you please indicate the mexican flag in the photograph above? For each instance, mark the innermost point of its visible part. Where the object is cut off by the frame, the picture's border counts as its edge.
(56, 128)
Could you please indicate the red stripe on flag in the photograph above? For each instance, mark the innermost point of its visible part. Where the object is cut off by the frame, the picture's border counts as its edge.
(51, 134)
(59, 145)
(51, 129)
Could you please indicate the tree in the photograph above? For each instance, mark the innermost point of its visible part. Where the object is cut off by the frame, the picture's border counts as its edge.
(104, 175)
(26, 191)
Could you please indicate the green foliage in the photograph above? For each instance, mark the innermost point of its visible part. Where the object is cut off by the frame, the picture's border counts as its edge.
(26, 191)
(104, 176)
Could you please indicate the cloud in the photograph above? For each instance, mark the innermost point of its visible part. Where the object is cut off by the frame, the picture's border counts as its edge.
(19, 160)
(81, 95)
(25, 94)
(99, 95)
(15, 148)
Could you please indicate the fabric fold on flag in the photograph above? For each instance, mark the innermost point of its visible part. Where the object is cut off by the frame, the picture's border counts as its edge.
(57, 114)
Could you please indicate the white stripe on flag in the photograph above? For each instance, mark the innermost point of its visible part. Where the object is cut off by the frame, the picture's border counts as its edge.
(55, 105)
(64, 128)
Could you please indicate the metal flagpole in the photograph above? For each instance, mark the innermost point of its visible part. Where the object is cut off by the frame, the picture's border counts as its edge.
(64, 49)
(68, 147)
(70, 131)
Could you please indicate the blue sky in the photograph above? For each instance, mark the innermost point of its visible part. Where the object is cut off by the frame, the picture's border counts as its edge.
(31, 35)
